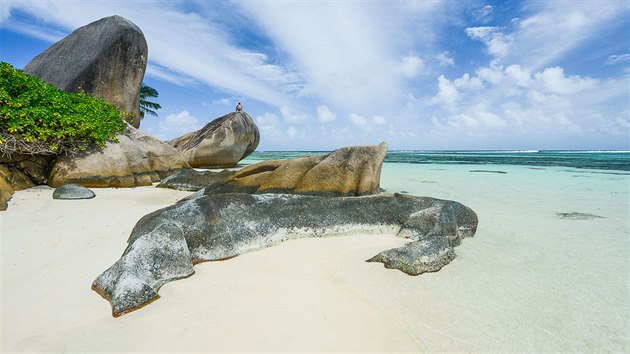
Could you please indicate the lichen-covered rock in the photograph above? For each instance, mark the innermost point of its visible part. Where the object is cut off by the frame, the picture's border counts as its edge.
(349, 171)
(73, 191)
(192, 180)
(165, 244)
(221, 143)
(137, 160)
(106, 59)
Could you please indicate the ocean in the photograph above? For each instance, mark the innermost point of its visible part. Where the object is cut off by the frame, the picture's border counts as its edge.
(604, 160)
(548, 269)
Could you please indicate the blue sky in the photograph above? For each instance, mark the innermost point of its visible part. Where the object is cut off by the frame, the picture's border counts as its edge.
(418, 74)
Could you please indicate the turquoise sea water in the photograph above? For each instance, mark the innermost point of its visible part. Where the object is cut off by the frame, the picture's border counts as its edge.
(603, 160)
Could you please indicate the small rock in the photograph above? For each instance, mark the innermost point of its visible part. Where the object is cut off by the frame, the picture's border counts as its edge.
(73, 191)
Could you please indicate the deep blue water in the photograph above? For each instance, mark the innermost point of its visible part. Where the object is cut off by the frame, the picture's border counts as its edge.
(601, 160)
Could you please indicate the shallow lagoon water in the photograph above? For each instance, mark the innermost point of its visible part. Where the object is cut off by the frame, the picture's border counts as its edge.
(530, 279)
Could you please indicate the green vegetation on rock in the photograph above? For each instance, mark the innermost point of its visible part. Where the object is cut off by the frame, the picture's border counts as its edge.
(37, 118)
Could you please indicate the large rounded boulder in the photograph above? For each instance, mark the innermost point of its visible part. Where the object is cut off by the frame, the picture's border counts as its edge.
(221, 143)
(106, 59)
(137, 159)
(345, 172)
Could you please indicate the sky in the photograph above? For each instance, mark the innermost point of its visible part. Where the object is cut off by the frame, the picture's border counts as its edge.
(420, 75)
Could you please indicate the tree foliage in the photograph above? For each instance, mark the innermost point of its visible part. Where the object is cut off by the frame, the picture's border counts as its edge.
(146, 106)
(37, 118)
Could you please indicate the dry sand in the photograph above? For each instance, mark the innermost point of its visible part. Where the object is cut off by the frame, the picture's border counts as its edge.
(291, 297)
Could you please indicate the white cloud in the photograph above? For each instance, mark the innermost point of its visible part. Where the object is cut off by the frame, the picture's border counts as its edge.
(411, 66)
(467, 83)
(292, 132)
(554, 80)
(174, 125)
(293, 116)
(358, 120)
(519, 75)
(556, 27)
(445, 59)
(497, 43)
(618, 58)
(379, 120)
(324, 114)
(484, 14)
(267, 119)
(447, 93)
(222, 101)
(492, 74)
(546, 105)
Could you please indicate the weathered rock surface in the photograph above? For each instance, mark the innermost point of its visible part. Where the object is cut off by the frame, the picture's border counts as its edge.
(12, 179)
(221, 143)
(137, 160)
(106, 59)
(192, 180)
(73, 191)
(349, 171)
(165, 244)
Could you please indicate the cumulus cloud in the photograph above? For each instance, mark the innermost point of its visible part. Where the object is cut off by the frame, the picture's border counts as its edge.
(293, 116)
(444, 59)
(518, 103)
(176, 124)
(467, 83)
(358, 120)
(411, 66)
(554, 80)
(447, 93)
(324, 114)
(497, 43)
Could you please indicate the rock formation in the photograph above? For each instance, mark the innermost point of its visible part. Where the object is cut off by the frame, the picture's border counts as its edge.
(221, 143)
(12, 179)
(73, 191)
(349, 171)
(106, 58)
(192, 180)
(137, 160)
(20, 172)
(165, 244)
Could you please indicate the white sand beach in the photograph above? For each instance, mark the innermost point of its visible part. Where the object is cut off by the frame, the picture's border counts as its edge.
(528, 281)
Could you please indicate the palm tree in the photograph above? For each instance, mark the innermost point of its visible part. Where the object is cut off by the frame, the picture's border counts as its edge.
(145, 105)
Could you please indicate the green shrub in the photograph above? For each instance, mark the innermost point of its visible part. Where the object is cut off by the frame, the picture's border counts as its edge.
(37, 118)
